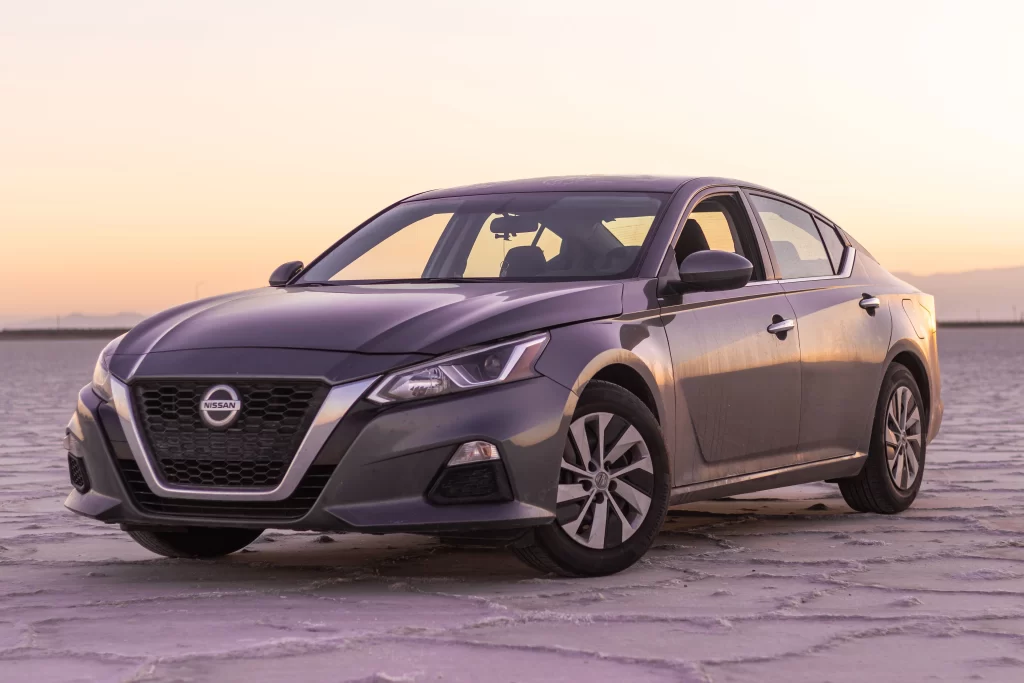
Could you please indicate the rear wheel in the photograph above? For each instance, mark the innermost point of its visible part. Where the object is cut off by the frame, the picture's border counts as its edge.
(195, 542)
(893, 472)
(613, 488)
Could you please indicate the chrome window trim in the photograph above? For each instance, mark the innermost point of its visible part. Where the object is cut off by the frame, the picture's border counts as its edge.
(849, 256)
(339, 401)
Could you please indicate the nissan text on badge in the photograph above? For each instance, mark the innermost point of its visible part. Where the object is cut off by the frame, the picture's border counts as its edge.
(545, 365)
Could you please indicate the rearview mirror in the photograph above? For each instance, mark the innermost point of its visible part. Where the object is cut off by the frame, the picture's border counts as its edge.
(714, 271)
(504, 226)
(283, 274)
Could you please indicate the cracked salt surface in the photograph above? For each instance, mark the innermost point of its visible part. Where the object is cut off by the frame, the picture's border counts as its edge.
(780, 585)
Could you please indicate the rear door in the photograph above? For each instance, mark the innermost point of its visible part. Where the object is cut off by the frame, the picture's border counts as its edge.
(844, 331)
(737, 384)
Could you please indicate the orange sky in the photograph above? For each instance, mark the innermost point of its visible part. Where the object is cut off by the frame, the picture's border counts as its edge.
(147, 148)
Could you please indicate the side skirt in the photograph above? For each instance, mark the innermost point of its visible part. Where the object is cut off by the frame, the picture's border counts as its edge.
(833, 468)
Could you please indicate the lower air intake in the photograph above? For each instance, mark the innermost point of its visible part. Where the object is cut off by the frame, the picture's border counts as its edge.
(482, 483)
(76, 471)
(289, 509)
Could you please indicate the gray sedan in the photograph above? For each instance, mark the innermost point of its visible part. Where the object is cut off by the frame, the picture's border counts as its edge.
(544, 364)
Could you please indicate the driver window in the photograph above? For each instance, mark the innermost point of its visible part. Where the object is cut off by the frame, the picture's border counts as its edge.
(719, 223)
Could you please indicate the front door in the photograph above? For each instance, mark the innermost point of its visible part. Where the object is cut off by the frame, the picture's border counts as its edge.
(737, 384)
(844, 331)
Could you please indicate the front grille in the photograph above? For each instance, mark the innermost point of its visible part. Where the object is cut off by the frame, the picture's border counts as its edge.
(254, 452)
(292, 508)
(77, 474)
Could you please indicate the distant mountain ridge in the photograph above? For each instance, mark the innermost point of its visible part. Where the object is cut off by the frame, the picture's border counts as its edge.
(75, 321)
(992, 294)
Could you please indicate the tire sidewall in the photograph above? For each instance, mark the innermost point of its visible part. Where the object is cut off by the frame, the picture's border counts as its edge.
(609, 398)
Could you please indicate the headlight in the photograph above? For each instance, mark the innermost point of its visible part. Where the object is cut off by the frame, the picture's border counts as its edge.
(101, 373)
(472, 369)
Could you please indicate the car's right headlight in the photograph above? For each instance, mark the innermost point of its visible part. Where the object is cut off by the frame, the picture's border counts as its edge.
(472, 369)
(101, 373)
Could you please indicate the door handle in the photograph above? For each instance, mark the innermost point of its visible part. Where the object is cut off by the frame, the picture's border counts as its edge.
(870, 303)
(782, 327)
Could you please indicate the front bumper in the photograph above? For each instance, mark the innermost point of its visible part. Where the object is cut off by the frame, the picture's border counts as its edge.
(372, 474)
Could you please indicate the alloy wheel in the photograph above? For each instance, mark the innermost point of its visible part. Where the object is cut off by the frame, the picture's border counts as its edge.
(903, 438)
(606, 481)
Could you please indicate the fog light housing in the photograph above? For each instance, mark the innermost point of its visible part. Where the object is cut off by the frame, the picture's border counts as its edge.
(474, 452)
(474, 474)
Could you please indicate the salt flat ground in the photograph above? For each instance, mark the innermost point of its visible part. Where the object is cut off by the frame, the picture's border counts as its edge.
(784, 585)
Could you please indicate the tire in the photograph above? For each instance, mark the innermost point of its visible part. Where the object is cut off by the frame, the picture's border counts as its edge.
(196, 542)
(577, 544)
(884, 485)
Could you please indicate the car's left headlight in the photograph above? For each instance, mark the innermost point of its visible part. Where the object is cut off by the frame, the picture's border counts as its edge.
(471, 369)
(101, 373)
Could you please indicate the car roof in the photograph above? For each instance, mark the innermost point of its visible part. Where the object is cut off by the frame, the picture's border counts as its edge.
(601, 183)
(579, 183)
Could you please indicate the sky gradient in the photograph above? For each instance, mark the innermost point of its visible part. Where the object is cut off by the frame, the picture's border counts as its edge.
(152, 150)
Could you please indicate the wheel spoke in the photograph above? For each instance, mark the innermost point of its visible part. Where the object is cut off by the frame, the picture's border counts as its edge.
(627, 528)
(891, 458)
(891, 439)
(915, 418)
(602, 425)
(599, 524)
(897, 473)
(637, 499)
(575, 470)
(892, 417)
(573, 527)
(916, 438)
(578, 429)
(629, 438)
(642, 464)
(568, 492)
(904, 406)
(912, 465)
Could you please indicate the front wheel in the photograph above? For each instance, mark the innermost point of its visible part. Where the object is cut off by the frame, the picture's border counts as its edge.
(892, 474)
(613, 488)
(195, 542)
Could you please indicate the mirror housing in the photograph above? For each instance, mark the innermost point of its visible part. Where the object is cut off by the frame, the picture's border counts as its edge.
(283, 274)
(712, 270)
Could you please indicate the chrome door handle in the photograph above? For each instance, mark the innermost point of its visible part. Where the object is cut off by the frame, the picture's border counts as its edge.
(870, 303)
(781, 327)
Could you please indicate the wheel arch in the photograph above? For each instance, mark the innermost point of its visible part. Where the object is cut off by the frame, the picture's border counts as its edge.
(632, 381)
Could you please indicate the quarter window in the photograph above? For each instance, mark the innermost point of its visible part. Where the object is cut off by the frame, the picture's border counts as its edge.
(832, 243)
(799, 251)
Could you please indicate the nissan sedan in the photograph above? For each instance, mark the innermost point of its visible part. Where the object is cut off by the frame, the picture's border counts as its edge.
(546, 365)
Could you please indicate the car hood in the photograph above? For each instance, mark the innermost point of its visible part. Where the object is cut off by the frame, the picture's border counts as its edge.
(420, 318)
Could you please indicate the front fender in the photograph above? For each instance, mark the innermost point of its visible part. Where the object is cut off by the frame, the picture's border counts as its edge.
(577, 353)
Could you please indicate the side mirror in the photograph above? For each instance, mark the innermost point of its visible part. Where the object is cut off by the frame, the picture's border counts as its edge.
(283, 274)
(714, 271)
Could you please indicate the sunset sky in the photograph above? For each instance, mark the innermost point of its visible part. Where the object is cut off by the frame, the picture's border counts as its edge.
(152, 149)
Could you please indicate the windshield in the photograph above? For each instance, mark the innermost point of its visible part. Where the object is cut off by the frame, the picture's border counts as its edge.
(522, 236)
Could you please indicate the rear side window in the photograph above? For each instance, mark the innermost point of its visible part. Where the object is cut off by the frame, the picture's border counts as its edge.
(798, 248)
(834, 245)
